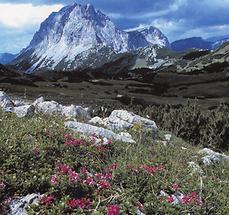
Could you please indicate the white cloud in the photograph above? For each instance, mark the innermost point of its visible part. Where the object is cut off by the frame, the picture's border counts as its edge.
(208, 31)
(20, 15)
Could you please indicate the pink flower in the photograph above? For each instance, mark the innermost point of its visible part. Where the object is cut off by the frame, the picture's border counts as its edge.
(63, 168)
(47, 200)
(140, 205)
(2, 186)
(79, 203)
(73, 176)
(110, 141)
(152, 169)
(170, 199)
(67, 137)
(175, 187)
(107, 176)
(113, 210)
(54, 180)
(111, 167)
(74, 142)
(192, 198)
(83, 170)
(89, 181)
(103, 185)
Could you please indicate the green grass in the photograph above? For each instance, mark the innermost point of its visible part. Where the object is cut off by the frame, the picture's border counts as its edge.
(30, 148)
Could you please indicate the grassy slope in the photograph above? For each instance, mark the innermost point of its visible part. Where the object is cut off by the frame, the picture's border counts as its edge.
(29, 149)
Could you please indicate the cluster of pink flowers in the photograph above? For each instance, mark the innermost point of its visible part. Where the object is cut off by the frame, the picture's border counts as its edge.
(63, 169)
(100, 181)
(47, 200)
(70, 141)
(79, 203)
(113, 210)
(152, 169)
(191, 198)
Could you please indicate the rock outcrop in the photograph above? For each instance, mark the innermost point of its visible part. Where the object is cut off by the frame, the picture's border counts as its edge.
(212, 157)
(123, 120)
(91, 130)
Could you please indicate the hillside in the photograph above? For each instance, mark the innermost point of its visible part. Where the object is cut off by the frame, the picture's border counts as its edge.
(61, 169)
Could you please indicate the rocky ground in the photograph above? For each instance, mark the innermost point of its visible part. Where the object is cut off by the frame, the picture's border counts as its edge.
(65, 159)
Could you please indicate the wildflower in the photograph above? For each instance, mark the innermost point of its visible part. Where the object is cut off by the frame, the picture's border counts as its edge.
(2, 186)
(83, 170)
(170, 199)
(73, 176)
(175, 187)
(74, 142)
(67, 137)
(89, 181)
(54, 180)
(110, 141)
(152, 169)
(103, 185)
(47, 200)
(63, 168)
(79, 203)
(111, 167)
(113, 210)
(192, 198)
(140, 206)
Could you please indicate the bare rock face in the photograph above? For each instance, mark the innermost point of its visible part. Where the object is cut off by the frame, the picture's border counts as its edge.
(24, 111)
(90, 130)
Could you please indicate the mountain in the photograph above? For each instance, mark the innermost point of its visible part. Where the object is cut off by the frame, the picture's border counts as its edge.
(191, 43)
(6, 58)
(218, 41)
(79, 36)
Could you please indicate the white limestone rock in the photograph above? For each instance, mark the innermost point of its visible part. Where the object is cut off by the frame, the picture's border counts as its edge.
(123, 120)
(49, 107)
(98, 131)
(97, 121)
(212, 157)
(24, 111)
(39, 100)
(18, 206)
(18, 103)
(5, 102)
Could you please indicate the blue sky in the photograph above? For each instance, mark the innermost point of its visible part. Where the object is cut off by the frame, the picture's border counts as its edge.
(20, 19)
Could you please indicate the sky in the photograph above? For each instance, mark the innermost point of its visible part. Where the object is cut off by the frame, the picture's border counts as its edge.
(177, 19)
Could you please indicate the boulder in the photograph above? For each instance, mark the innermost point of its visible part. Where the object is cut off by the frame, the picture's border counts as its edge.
(123, 120)
(18, 103)
(24, 111)
(5, 102)
(212, 157)
(48, 107)
(39, 100)
(75, 112)
(91, 130)
(18, 205)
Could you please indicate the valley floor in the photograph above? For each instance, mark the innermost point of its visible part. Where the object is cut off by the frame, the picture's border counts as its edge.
(125, 92)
